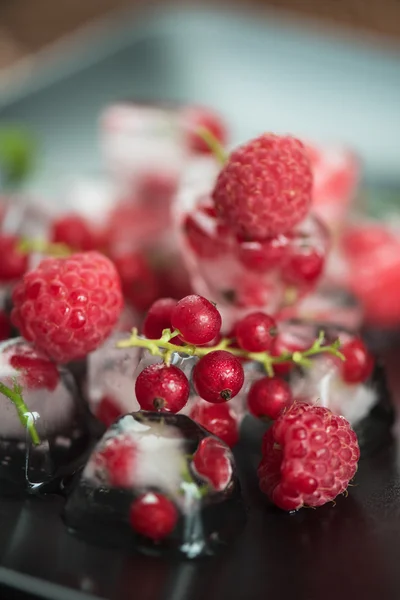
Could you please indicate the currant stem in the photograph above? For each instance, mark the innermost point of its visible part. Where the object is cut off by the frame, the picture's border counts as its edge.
(27, 246)
(214, 145)
(24, 414)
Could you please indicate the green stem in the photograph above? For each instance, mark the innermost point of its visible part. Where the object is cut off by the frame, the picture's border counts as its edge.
(27, 246)
(215, 146)
(164, 348)
(24, 414)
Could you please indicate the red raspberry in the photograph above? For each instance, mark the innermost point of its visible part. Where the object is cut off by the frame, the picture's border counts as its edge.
(5, 326)
(359, 363)
(139, 283)
(268, 397)
(309, 457)
(153, 515)
(108, 411)
(38, 371)
(68, 306)
(158, 318)
(118, 458)
(196, 117)
(218, 419)
(256, 332)
(218, 376)
(13, 263)
(162, 388)
(265, 187)
(197, 319)
(211, 462)
(75, 232)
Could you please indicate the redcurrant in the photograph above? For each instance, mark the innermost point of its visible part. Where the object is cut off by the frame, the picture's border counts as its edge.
(358, 363)
(303, 266)
(158, 317)
(197, 319)
(268, 397)
(219, 420)
(162, 388)
(218, 376)
(263, 256)
(13, 262)
(256, 332)
(153, 515)
(211, 462)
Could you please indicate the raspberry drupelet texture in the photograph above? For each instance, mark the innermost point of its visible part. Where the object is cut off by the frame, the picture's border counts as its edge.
(265, 187)
(218, 376)
(161, 387)
(197, 319)
(68, 306)
(153, 515)
(309, 457)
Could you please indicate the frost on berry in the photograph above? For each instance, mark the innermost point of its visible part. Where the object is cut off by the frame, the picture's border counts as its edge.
(172, 482)
(68, 306)
(309, 457)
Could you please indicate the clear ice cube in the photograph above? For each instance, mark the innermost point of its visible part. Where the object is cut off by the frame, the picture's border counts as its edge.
(168, 455)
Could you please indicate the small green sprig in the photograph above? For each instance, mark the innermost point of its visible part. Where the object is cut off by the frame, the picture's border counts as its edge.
(164, 348)
(24, 414)
(214, 144)
(26, 246)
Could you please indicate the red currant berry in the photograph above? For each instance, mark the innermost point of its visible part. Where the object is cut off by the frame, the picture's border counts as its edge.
(304, 266)
(268, 397)
(108, 411)
(158, 318)
(162, 388)
(13, 263)
(139, 283)
(198, 117)
(118, 458)
(262, 256)
(256, 332)
(74, 231)
(211, 462)
(218, 376)
(219, 420)
(197, 319)
(153, 515)
(5, 326)
(204, 241)
(37, 372)
(359, 363)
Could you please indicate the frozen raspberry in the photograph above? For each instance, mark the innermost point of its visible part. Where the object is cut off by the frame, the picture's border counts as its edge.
(219, 420)
(197, 319)
(139, 283)
(13, 263)
(38, 371)
(196, 117)
(205, 237)
(256, 332)
(108, 410)
(211, 462)
(309, 457)
(163, 388)
(358, 364)
(75, 232)
(68, 306)
(263, 256)
(5, 326)
(303, 266)
(157, 189)
(158, 318)
(117, 458)
(153, 515)
(218, 376)
(265, 187)
(268, 397)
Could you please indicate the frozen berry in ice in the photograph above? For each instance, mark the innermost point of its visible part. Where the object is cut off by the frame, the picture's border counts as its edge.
(211, 462)
(108, 410)
(218, 419)
(153, 515)
(118, 459)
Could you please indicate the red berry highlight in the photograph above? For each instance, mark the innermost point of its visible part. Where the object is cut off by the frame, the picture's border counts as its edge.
(265, 187)
(219, 420)
(13, 262)
(218, 376)
(158, 318)
(309, 457)
(162, 388)
(212, 463)
(268, 397)
(197, 319)
(358, 364)
(153, 515)
(256, 332)
(68, 306)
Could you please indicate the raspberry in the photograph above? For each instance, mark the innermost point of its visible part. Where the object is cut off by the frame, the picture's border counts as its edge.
(108, 411)
(153, 515)
(211, 462)
(13, 263)
(358, 364)
(68, 306)
(309, 457)
(255, 332)
(218, 376)
(75, 232)
(139, 283)
(158, 318)
(117, 458)
(163, 388)
(197, 319)
(219, 420)
(5, 326)
(196, 117)
(38, 371)
(263, 256)
(268, 397)
(265, 187)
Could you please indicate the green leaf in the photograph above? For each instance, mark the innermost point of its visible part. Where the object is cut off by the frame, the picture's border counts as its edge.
(18, 152)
